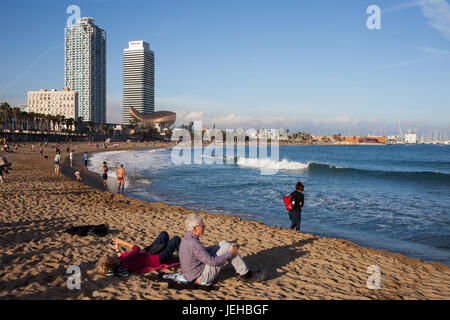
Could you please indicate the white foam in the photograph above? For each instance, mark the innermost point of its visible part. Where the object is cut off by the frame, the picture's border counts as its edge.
(271, 164)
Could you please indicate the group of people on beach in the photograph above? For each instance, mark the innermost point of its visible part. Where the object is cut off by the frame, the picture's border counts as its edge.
(120, 172)
(198, 264)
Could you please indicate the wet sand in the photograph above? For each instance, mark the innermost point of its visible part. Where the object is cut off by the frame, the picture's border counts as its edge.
(37, 205)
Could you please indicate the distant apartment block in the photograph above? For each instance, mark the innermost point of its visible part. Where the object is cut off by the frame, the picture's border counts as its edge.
(64, 103)
(410, 138)
(138, 79)
(85, 68)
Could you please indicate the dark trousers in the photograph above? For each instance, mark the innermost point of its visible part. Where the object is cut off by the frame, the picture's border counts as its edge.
(171, 246)
(4, 167)
(296, 219)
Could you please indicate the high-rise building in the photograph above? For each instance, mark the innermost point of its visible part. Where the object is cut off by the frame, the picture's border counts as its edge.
(64, 103)
(85, 68)
(138, 79)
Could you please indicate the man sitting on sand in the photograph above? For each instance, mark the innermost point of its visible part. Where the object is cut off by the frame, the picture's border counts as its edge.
(4, 165)
(156, 256)
(202, 265)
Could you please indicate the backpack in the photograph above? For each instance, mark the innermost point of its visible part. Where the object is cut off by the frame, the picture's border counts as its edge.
(289, 202)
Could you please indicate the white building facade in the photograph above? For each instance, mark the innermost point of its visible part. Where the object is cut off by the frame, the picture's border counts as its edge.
(138, 79)
(410, 138)
(64, 103)
(85, 68)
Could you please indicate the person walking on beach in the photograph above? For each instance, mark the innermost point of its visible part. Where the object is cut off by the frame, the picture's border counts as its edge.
(41, 150)
(154, 257)
(71, 157)
(105, 173)
(85, 157)
(295, 215)
(56, 161)
(202, 265)
(120, 173)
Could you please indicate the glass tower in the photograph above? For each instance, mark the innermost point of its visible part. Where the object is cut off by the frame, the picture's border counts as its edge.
(138, 79)
(85, 68)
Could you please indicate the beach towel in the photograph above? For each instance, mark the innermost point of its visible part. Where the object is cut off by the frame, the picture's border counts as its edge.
(100, 230)
(177, 281)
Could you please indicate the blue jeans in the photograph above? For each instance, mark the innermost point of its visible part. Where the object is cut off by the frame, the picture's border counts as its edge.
(171, 246)
(296, 219)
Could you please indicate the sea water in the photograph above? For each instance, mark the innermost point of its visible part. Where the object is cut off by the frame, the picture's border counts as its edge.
(393, 197)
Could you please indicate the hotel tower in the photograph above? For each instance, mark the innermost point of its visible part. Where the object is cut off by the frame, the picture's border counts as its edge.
(138, 79)
(85, 68)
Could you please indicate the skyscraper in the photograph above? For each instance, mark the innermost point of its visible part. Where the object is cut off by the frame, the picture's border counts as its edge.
(138, 79)
(85, 68)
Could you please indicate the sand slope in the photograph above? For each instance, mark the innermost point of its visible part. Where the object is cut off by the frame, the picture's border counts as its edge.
(36, 206)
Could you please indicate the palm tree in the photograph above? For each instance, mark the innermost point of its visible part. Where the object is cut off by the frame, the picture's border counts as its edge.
(69, 124)
(79, 122)
(5, 109)
(90, 124)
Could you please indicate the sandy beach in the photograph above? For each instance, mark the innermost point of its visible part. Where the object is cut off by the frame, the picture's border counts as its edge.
(37, 205)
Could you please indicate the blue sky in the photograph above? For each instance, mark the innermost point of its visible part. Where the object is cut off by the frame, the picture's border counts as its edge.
(307, 65)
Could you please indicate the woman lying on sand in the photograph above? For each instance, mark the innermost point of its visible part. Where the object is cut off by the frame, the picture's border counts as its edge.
(156, 256)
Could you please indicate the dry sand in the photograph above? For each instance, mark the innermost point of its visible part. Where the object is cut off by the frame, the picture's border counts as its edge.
(37, 205)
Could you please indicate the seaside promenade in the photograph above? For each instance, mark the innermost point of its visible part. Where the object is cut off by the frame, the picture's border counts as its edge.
(37, 205)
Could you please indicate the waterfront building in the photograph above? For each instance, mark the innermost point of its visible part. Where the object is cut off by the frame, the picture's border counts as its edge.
(138, 79)
(85, 68)
(410, 138)
(64, 103)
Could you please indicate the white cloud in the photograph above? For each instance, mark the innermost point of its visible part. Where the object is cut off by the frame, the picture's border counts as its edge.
(438, 14)
(342, 123)
(433, 50)
(401, 6)
(436, 11)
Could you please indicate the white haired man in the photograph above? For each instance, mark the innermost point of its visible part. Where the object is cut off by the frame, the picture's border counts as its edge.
(202, 265)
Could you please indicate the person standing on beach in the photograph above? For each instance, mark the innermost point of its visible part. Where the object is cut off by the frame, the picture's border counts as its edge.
(202, 265)
(105, 173)
(85, 157)
(41, 150)
(71, 157)
(121, 178)
(299, 200)
(56, 161)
